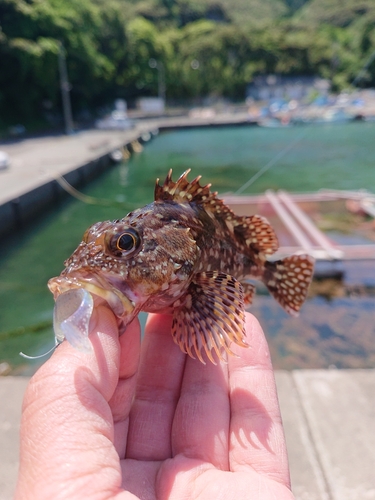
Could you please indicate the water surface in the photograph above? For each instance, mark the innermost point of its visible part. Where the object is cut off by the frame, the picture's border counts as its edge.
(336, 156)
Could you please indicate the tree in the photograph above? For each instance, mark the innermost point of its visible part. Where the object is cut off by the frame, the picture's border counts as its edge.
(31, 36)
(146, 42)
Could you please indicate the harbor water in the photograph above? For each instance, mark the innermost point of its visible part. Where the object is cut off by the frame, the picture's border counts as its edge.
(332, 330)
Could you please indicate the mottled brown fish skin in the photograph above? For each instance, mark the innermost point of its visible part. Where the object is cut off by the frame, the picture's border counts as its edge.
(186, 253)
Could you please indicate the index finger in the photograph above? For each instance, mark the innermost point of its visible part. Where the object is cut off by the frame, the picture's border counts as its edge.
(256, 430)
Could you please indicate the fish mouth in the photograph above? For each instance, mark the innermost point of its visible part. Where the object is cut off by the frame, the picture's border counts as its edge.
(120, 304)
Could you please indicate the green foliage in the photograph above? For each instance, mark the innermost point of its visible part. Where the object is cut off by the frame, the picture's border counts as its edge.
(145, 43)
(206, 47)
(32, 33)
(336, 12)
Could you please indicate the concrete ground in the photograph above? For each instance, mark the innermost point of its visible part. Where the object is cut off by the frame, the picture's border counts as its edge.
(329, 425)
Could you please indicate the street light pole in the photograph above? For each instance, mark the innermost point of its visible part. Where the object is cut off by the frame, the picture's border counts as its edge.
(65, 89)
(161, 82)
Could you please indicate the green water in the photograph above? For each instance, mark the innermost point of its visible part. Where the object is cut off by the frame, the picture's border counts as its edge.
(338, 156)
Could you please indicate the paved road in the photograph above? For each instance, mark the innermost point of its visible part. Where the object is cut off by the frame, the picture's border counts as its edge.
(328, 417)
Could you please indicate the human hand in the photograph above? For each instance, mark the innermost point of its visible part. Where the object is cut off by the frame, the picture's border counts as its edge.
(130, 422)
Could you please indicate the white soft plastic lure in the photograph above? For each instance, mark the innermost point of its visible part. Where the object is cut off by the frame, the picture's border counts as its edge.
(71, 318)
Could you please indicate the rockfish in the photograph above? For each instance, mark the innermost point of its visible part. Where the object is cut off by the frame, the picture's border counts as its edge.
(186, 254)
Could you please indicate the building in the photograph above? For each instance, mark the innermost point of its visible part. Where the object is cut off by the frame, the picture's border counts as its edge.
(287, 88)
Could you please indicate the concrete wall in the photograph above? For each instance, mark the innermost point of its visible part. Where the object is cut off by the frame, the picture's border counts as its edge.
(15, 214)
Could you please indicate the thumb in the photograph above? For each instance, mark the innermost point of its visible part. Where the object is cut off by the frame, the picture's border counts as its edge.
(67, 432)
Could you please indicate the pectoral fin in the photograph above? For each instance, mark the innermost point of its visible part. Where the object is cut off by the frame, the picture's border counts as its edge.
(210, 317)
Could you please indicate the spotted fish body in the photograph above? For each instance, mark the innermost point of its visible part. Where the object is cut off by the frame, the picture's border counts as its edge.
(186, 254)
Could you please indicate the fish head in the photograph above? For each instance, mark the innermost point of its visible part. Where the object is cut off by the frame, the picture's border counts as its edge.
(144, 261)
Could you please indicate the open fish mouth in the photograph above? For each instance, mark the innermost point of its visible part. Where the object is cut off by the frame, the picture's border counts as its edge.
(74, 302)
(120, 304)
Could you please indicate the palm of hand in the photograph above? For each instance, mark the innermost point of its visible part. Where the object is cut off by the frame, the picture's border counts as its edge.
(199, 432)
(182, 430)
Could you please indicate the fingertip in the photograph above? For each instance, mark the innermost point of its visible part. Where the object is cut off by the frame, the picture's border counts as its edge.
(254, 330)
(257, 353)
(159, 323)
(103, 321)
(251, 321)
(158, 342)
(103, 336)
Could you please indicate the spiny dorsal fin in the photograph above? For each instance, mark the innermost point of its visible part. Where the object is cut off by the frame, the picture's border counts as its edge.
(254, 231)
(183, 191)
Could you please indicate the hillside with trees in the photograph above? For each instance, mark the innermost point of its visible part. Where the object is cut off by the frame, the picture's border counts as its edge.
(207, 47)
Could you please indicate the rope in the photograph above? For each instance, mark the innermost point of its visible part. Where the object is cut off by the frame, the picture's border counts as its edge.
(90, 200)
(271, 163)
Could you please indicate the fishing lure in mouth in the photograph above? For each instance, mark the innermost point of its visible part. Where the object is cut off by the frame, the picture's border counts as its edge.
(186, 254)
(71, 318)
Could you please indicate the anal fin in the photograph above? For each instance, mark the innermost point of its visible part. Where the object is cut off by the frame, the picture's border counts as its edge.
(248, 293)
(210, 317)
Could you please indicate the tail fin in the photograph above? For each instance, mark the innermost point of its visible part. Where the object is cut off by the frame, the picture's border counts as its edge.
(288, 280)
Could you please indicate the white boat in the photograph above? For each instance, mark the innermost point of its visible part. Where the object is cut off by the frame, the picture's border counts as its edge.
(117, 120)
(4, 160)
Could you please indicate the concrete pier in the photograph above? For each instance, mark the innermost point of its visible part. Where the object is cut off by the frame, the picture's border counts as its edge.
(29, 187)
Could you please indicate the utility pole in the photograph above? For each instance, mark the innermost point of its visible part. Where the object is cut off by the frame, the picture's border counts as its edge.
(153, 63)
(65, 89)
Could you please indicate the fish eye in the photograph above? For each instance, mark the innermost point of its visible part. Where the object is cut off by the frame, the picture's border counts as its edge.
(126, 242)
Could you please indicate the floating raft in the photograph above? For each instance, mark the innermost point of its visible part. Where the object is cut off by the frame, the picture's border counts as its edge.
(294, 218)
